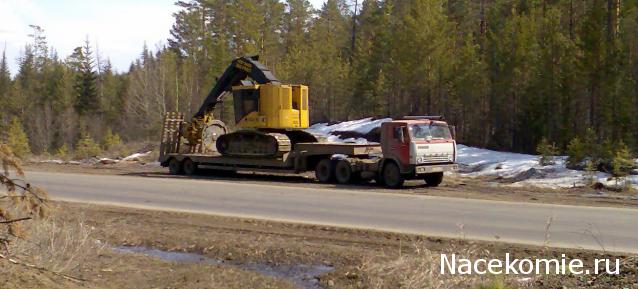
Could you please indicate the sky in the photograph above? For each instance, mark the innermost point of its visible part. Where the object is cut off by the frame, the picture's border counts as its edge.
(118, 28)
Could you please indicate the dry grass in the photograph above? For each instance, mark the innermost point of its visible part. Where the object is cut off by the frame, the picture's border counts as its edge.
(57, 246)
(19, 201)
(421, 269)
(52, 254)
(30, 235)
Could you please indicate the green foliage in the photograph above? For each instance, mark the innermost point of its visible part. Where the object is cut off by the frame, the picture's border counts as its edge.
(547, 152)
(62, 152)
(506, 73)
(17, 139)
(576, 153)
(590, 169)
(86, 147)
(85, 80)
(622, 162)
(111, 140)
(615, 158)
(5, 76)
(604, 155)
(621, 165)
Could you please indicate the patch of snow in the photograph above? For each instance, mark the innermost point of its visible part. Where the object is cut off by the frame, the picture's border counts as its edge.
(361, 126)
(524, 169)
(94, 160)
(337, 139)
(107, 161)
(338, 157)
(525, 280)
(136, 156)
(54, 161)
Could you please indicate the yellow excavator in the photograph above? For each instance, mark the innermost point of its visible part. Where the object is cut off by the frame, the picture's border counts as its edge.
(270, 116)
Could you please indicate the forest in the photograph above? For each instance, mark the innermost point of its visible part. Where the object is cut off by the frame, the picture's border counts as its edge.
(507, 73)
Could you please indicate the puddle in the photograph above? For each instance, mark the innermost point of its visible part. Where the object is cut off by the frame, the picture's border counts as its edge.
(169, 256)
(303, 275)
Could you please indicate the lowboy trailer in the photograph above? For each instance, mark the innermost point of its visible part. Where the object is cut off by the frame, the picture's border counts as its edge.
(411, 148)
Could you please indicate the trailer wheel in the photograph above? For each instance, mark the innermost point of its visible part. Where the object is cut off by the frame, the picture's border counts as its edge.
(392, 177)
(343, 172)
(324, 171)
(175, 167)
(189, 167)
(434, 179)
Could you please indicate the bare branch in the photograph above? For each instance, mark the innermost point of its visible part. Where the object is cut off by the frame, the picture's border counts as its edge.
(18, 262)
(15, 220)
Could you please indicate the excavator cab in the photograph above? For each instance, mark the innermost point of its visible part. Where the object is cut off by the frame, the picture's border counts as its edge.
(271, 106)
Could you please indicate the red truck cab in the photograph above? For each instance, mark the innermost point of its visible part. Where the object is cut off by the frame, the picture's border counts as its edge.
(419, 148)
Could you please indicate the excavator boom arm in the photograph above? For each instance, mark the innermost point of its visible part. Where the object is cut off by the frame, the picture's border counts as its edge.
(240, 69)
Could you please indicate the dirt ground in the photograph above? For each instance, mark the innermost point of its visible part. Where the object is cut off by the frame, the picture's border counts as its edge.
(452, 186)
(240, 247)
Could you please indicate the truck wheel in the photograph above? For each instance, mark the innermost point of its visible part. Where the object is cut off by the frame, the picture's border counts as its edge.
(324, 171)
(392, 176)
(343, 172)
(175, 167)
(434, 179)
(190, 167)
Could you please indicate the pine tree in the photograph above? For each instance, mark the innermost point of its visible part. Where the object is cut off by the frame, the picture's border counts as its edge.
(111, 140)
(469, 98)
(62, 152)
(5, 87)
(86, 147)
(297, 22)
(323, 64)
(5, 76)
(370, 84)
(87, 101)
(17, 139)
(547, 152)
(422, 57)
(622, 164)
(576, 153)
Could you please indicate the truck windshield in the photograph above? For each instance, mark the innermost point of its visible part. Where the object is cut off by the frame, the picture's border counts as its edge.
(423, 131)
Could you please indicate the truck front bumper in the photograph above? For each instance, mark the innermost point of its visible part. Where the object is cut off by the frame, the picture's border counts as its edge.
(428, 169)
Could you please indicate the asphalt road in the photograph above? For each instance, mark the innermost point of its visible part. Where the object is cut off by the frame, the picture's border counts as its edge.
(612, 229)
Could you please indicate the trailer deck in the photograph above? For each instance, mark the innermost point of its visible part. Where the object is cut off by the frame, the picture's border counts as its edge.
(350, 149)
(295, 161)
